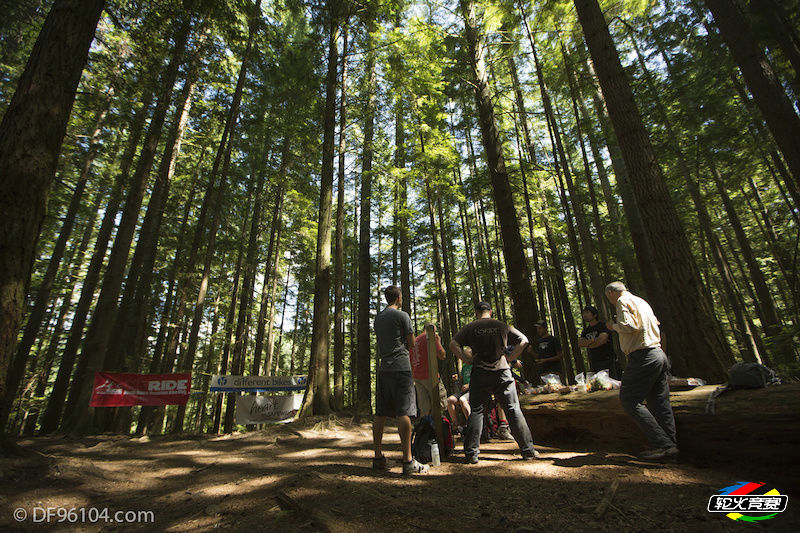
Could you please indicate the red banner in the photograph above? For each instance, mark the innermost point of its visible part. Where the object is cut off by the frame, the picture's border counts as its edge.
(117, 389)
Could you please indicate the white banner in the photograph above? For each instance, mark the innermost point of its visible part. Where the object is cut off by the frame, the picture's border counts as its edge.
(270, 408)
(258, 383)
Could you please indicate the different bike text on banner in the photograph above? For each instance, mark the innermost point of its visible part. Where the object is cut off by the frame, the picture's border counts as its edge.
(270, 408)
(258, 383)
(117, 389)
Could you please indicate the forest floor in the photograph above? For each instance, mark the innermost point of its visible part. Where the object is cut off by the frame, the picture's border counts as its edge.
(251, 481)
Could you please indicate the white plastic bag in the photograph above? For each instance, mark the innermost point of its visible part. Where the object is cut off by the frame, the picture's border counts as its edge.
(552, 383)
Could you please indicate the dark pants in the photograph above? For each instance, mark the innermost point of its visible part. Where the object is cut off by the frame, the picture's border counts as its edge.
(482, 384)
(647, 378)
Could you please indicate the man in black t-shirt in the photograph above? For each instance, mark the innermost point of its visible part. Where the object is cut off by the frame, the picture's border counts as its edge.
(596, 338)
(491, 374)
(547, 350)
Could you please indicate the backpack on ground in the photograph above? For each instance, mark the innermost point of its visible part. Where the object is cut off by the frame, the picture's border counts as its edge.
(752, 376)
(424, 432)
(743, 376)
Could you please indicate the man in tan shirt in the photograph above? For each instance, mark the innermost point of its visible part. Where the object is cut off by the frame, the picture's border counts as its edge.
(646, 377)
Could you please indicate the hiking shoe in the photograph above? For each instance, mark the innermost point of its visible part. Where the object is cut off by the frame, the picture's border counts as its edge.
(504, 433)
(471, 460)
(672, 451)
(379, 463)
(531, 457)
(654, 454)
(414, 467)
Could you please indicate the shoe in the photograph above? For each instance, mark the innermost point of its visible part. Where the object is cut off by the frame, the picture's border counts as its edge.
(654, 454)
(379, 463)
(414, 467)
(672, 451)
(531, 457)
(471, 459)
(504, 433)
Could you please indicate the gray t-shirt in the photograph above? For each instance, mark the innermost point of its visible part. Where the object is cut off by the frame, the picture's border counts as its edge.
(392, 326)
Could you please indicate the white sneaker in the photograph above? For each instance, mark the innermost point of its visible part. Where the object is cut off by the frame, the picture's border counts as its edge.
(414, 467)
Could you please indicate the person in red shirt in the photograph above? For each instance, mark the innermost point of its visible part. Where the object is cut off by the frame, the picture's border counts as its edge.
(419, 368)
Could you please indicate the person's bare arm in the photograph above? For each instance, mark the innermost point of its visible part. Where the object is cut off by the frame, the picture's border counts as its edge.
(440, 351)
(458, 352)
(411, 345)
(520, 347)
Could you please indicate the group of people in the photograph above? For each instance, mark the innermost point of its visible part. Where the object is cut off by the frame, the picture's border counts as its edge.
(488, 349)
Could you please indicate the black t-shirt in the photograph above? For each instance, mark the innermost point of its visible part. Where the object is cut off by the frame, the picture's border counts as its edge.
(488, 339)
(548, 347)
(601, 354)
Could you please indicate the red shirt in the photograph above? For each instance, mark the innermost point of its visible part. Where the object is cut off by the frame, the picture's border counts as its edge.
(419, 361)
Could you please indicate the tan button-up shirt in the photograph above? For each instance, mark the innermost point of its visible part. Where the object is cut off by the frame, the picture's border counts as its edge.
(636, 324)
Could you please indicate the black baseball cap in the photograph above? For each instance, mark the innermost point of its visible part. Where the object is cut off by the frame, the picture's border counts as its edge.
(541, 323)
(592, 309)
(483, 306)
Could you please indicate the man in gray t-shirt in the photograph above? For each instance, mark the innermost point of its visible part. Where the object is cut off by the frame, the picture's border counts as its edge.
(392, 328)
(395, 394)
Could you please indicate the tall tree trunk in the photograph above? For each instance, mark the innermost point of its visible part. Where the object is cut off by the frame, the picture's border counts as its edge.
(130, 321)
(363, 387)
(562, 304)
(317, 397)
(127, 344)
(248, 283)
(169, 312)
(230, 319)
(270, 357)
(652, 285)
(540, 280)
(769, 95)
(338, 269)
(279, 346)
(35, 122)
(583, 252)
(210, 358)
(519, 279)
(785, 33)
(268, 298)
(71, 281)
(573, 92)
(58, 394)
(523, 120)
(402, 208)
(463, 213)
(749, 350)
(771, 321)
(698, 346)
(43, 293)
(354, 298)
(99, 333)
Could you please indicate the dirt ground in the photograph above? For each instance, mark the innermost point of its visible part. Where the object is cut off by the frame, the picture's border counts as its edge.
(315, 475)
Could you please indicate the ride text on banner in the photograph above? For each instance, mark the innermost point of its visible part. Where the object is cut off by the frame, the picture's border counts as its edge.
(118, 389)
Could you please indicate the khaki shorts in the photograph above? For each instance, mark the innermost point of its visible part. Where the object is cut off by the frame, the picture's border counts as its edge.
(423, 387)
